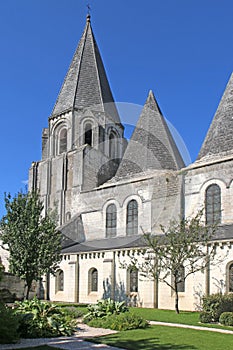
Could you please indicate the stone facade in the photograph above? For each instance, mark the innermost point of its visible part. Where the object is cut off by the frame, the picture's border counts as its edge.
(108, 194)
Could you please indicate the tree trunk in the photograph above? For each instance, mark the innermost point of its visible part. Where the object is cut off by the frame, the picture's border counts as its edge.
(29, 283)
(176, 299)
(177, 304)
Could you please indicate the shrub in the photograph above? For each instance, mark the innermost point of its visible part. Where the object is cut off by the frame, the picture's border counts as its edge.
(226, 318)
(72, 311)
(9, 325)
(120, 322)
(43, 319)
(216, 304)
(104, 308)
(205, 317)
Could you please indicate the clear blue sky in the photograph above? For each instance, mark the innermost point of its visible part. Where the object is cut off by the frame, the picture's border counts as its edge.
(181, 49)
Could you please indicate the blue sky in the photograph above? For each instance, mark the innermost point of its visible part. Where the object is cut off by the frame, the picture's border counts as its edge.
(181, 49)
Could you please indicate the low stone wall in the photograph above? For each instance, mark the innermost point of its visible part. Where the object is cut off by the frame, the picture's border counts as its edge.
(12, 287)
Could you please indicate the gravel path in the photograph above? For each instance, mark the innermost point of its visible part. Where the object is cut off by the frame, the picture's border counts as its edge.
(199, 328)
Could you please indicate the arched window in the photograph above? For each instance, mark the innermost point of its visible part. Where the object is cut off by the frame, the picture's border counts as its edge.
(88, 134)
(133, 280)
(132, 218)
(93, 280)
(101, 138)
(181, 280)
(230, 278)
(112, 145)
(59, 280)
(213, 204)
(63, 141)
(111, 220)
(68, 216)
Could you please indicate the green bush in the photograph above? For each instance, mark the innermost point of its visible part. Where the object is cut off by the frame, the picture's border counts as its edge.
(205, 317)
(72, 311)
(226, 318)
(9, 324)
(216, 304)
(104, 308)
(43, 319)
(120, 322)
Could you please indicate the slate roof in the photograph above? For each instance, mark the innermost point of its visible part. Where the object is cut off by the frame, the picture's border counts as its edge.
(106, 244)
(86, 83)
(72, 231)
(223, 233)
(219, 139)
(151, 145)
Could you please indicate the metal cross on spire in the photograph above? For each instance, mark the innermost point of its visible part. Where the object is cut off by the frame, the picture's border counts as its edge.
(88, 9)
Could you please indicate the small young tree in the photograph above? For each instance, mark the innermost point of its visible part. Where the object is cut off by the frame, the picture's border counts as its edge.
(180, 251)
(32, 240)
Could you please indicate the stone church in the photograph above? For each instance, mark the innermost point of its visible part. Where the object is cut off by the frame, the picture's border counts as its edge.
(108, 192)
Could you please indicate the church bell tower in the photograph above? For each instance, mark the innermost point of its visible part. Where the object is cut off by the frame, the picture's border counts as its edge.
(84, 141)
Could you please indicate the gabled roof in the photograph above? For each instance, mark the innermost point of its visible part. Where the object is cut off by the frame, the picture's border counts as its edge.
(151, 145)
(219, 139)
(86, 83)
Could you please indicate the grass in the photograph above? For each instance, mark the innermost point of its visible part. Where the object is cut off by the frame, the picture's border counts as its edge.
(168, 338)
(163, 337)
(80, 307)
(184, 317)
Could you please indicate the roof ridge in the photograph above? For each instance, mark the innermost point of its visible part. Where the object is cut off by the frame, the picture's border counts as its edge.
(96, 66)
(81, 57)
(81, 42)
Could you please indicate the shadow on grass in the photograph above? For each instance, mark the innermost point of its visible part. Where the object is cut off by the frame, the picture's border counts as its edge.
(145, 344)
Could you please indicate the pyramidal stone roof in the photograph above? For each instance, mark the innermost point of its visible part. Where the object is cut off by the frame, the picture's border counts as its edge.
(151, 145)
(219, 139)
(86, 83)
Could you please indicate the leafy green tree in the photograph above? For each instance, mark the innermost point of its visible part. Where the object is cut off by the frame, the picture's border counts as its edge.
(183, 249)
(30, 237)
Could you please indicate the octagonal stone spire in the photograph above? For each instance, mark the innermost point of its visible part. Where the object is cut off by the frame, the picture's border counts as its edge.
(86, 83)
(219, 139)
(151, 146)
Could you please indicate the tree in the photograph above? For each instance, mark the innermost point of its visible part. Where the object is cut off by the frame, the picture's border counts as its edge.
(183, 249)
(32, 240)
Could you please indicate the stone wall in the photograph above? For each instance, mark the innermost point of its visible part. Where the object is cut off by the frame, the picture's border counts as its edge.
(13, 288)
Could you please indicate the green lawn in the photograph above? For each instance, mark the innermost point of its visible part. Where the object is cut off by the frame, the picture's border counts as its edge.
(168, 338)
(184, 317)
(163, 337)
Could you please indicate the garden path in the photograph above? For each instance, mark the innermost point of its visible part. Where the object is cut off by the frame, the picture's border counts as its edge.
(199, 328)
